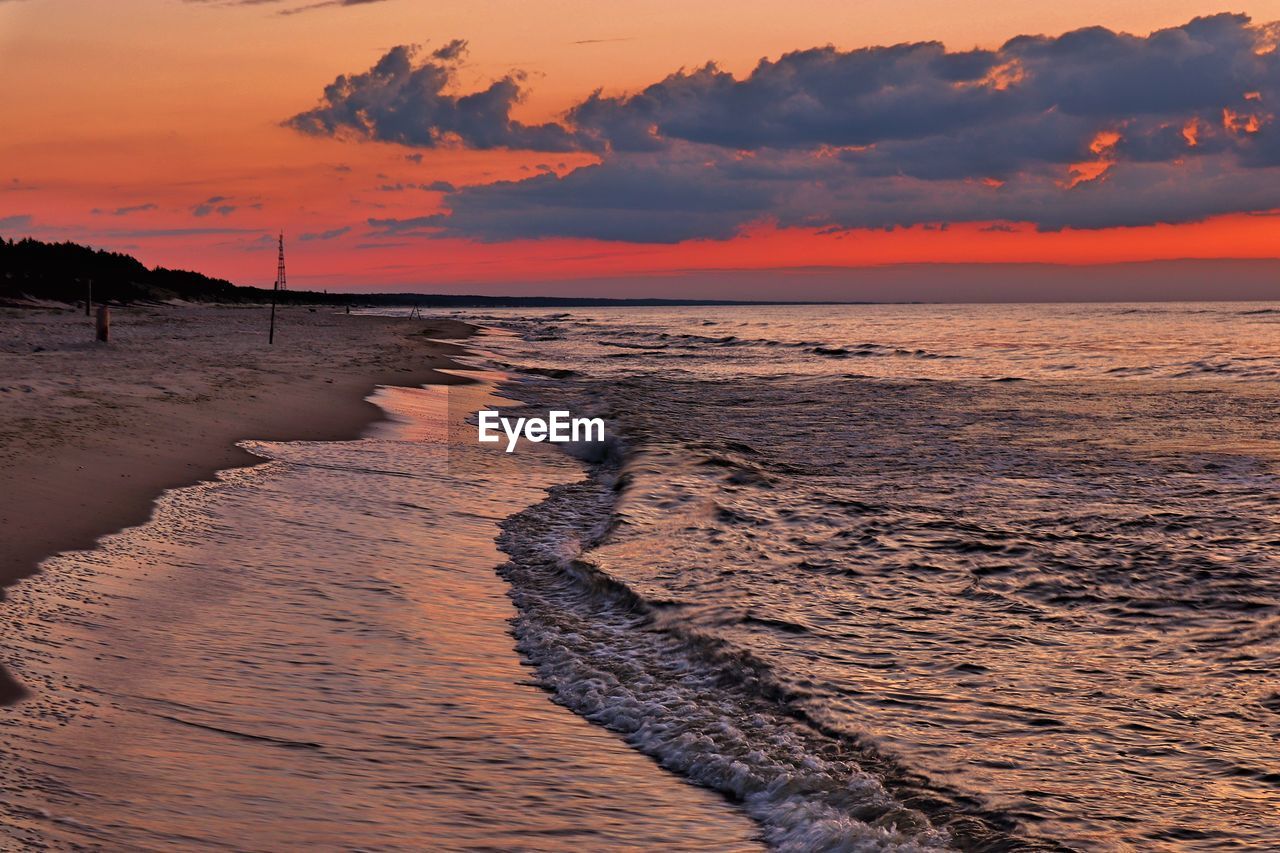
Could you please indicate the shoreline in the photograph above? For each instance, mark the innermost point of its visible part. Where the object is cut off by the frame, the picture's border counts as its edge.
(263, 610)
(91, 436)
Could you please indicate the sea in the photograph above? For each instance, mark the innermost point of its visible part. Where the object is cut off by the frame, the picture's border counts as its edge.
(995, 576)
(840, 578)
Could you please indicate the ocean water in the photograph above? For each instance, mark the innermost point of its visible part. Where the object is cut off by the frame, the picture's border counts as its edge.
(986, 577)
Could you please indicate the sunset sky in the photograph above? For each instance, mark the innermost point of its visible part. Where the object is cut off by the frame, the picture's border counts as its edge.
(516, 146)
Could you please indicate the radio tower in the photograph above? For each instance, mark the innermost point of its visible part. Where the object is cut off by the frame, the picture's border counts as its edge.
(280, 285)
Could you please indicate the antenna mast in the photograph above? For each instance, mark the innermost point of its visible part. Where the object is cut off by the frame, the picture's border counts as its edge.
(280, 285)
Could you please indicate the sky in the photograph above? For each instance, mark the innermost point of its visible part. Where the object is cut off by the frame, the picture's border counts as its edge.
(642, 148)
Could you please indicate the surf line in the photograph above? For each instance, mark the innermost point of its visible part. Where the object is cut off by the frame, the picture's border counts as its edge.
(559, 427)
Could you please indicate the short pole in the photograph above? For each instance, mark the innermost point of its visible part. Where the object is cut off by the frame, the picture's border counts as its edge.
(88, 299)
(104, 324)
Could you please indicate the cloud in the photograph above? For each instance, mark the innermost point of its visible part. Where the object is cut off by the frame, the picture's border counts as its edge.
(603, 40)
(878, 95)
(289, 10)
(326, 4)
(454, 51)
(20, 222)
(673, 197)
(433, 187)
(1089, 129)
(176, 232)
(126, 211)
(214, 204)
(222, 205)
(257, 244)
(657, 200)
(403, 100)
(331, 234)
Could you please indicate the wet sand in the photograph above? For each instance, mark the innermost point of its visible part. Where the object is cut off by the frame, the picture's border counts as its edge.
(91, 434)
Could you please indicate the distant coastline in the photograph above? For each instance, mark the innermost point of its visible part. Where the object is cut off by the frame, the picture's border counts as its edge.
(33, 271)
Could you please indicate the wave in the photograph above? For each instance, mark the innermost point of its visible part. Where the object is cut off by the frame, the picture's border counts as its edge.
(1236, 368)
(702, 707)
(552, 372)
(867, 350)
(875, 529)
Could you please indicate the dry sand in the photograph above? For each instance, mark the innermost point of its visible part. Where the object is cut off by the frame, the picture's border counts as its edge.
(91, 434)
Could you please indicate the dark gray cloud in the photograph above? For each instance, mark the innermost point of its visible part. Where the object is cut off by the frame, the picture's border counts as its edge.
(1137, 194)
(668, 198)
(432, 187)
(1090, 129)
(324, 4)
(175, 232)
(17, 222)
(454, 51)
(218, 204)
(1091, 79)
(657, 200)
(222, 205)
(286, 10)
(331, 234)
(127, 210)
(402, 99)
(604, 40)
(814, 97)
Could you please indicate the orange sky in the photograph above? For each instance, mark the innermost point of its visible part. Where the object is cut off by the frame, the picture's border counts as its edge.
(162, 105)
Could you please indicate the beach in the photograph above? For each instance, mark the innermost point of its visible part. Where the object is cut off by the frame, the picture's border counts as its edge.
(819, 428)
(311, 650)
(824, 560)
(91, 434)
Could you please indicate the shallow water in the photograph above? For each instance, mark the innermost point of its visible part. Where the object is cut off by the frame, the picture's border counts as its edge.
(315, 653)
(840, 573)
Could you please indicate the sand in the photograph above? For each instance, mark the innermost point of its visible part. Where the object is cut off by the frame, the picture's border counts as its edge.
(91, 434)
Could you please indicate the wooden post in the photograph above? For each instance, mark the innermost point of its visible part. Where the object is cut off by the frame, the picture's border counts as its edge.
(279, 286)
(88, 300)
(104, 323)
